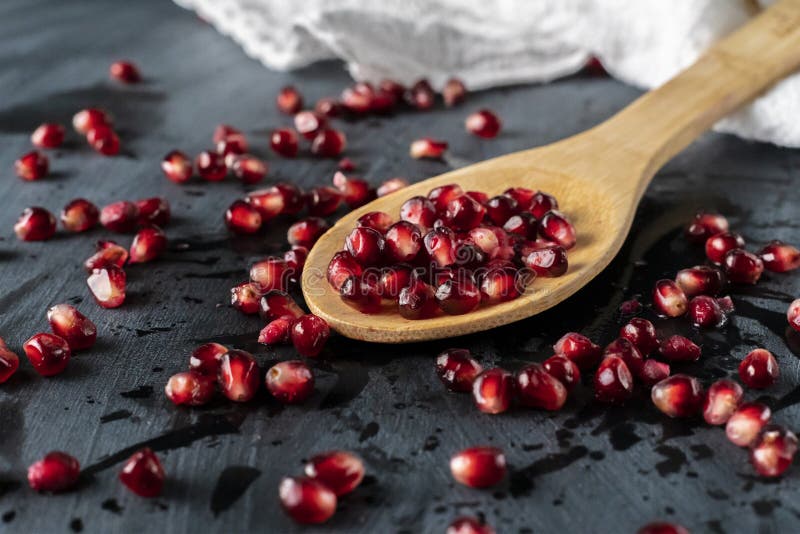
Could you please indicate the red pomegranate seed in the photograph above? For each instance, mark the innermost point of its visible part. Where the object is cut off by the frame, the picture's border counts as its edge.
(678, 396)
(537, 388)
(328, 143)
(323, 201)
(457, 369)
(177, 167)
(289, 100)
(293, 198)
(541, 203)
(268, 202)
(238, 375)
(120, 216)
(706, 312)
(493, 390)
(427, 148)
(555, 227)
(328, 107)
(377, 220)
(206, 358)
(483, 123)
(779, 257)
(564, 370)
(580, 349)
(276, 304)
(549, 261)
(341, 267)
(457, 297)
(148, 244)
(746, 423)
(759, 369)
(417, 301)
(478, 467)
(295, 261)
(652, 372)
(391, 185)
(642, 334)
(309, 124)
(421, 95)
(246, 297)
(704, 225)
(442, 196)
(453, 92)
(393, 279)
(154, 210)
(418, 210)
(500, 208)
(189, 388)
(341, 471)
(9, 362)
(355, 192)
(793, 315)
(700, 280)
(79, 215)
(522, 196)
(242, 218)
(464, 213)
(362, 293)
(720, 244)
(661, 527)
(669, 299)
(35, 224)
(211, 166)
(403, 241)
(232, 148)
(48, 135)
(522, 224)
(630, 307)
(743, 267)
(485, 239)
(346, 165)
(722, 399)
(307, 501)
(441, 246)
(290, 382)
(270, 273)
(679, 349)
(108, 253)
(49, 354)
(67, 322)
(304, 233)
(365, 245)
(469, 525)
(143, 474)
(277, 331)
(249, 169)
(309, 335)
(89, 118)
(623, 348)
(57, 471)
(32, 166)
(773, 451)
(225, 131)
(613, 382)
(358, 98)
(125, 72)
(500, 285)
(283, 142)
(103, 140)
(392, 87)
(107, 285)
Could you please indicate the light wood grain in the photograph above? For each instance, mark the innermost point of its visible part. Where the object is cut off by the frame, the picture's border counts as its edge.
(598, 177)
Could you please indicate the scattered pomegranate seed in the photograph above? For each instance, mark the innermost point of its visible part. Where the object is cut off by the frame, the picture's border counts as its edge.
(206, 359)
(57, 471)
(720, 244)
(346, 165)
(249, 169)
(661, 527)
(295, 260)
(793, 315)
(246, 297)
(48, 135)
(652, 372)
(189, 388)
(359, 98)
(704, 225)
(323, 201)
(541, 203)
(478, 467)
(125, 72)
(293, 198)
(89, 118)
(290, 382)
(276, 304)
(328, 143)
(277, 331)
(493, 390)
(306, 500)
(669, 299)
(700, 280)
(555, 227)
(779, 257)
(537, 388)
(428, 148)
(120, 216)
(421, 95)
(417, 301)
(642, 334)
(177, 167)
(238, 375)
(148, 244)
(630, 307)
(107, 285)
(454, 92)
(580, 349)
(154, 210)
(224, 131)
(35, 224)
(341, 471)
(79, 215)
(211, 166)
(613, 382)
(103, 140)
(706, 312)
(679, 349)
(328, 107)
(564, 370)
(283, 142)
(309, 335)
(759, 369)
(678, 395)
(483, 123)
(9, 363)
(270, 273)
(391, 185)
(32, 166)
(457, 369)
(289, 100)
(108, 253)
(623, 348)
(457, 297)
(242, 218)
(143, 474)
(49, 354)
(548, 261)
(722, 399)
(231, 147)
(309, 124)
(355, 192)
(74, 327)
(743, 267)
(746, 423)
(393, 87)
(304, 233)
(418, 210)
(469, 525)
(773, 451)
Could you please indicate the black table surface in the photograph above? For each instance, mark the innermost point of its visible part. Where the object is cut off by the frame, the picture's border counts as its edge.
(584, 469)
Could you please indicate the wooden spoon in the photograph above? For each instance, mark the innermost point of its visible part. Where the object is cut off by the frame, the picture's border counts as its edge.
(598, 177)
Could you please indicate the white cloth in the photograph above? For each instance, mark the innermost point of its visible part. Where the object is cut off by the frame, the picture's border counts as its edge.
(490, 43)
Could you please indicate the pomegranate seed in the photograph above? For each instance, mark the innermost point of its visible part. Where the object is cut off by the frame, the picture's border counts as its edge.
(359, 98)
(177, 167)
(108, 253)
(700, 280)
(652, 372)
(249, 169)
(393, 279)
(478, 467)
(793, 315)
(289, 100)
(365, 245)
(493, 390)
(276, 304)
(49, 354)
(79, 215)
(500, 285)
(189, 388)
(283, 142)
(623, 348)
(362, 293)
(417, 301)
(143, 473)
(67, 322)
(35, 224)
(323, 201)
(613, 382)
(242, 218)
(355, 192)
(154, 210)
(328, 107)
(669, 299)
(419, 211)
(541, 203)
(304, 233)
(148, 244)
(457, 297)
(377, 220)
(522, 224)
(309, 124)
(660, 527)
(293, 198)
(393, 87)
(549, 261)
(579, 349)
(679, 349)
(421, 95)
(341, 267)
(270, 273)
(428, 148)
(328, 143)
(678, 395)
(464, 213)
(246, 297)
(485, 239)
(9, 363)
(89, 118)
(211, 166)
(206, 359)
(48, 135)
(522, 196)
(722, 399)
(746, 423)
(537, 388)
(564, 370)
(346, 165)
(268, 202)
(773, 451)
(238, 375)
(125, 72)
(341, 471)
(642, 334)
(457, 369)
(469, 525)
(232, 148)
(309, 335)
(290, 382)
(706, 312)
(743, 267)
(391, 185)
(483, 123)
(120, 216)
(57, 471)
(630, 307)
(453, 92)
(307, 501)
(555, 227)
(720, 244)
(103, 140)
(441, 246)
(277, 331)
(779, 257)
(225, 131)
(32, 166)
(107, 285)
(295, 261)
(704, 225)
(442, 196)
(759, 369)
(501, 208)
(403, 241)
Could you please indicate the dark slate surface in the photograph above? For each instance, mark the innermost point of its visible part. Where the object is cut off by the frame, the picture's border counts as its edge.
(582, 470)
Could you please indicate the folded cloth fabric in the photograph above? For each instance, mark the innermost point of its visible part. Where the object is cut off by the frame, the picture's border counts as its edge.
(502, 42)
